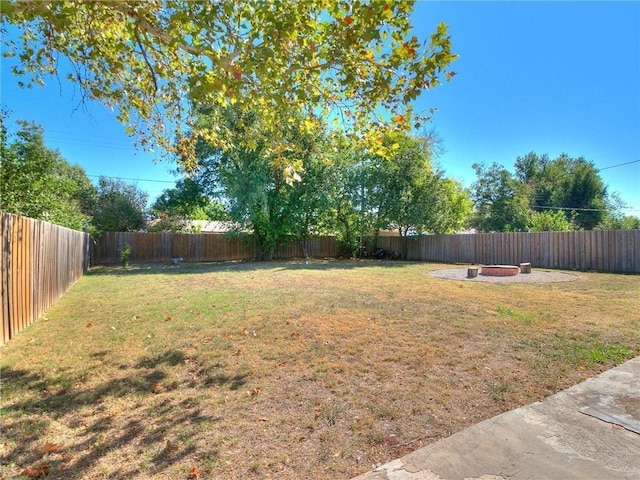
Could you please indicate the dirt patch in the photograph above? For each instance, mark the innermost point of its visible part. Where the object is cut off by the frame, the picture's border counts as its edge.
(536, 276)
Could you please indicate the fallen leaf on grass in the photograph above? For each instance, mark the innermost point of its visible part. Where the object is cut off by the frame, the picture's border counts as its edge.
(237, 352)
(136, 317)
(51, 447)
(90, 324)
(244, 331)
(38, 472)
(169, 317)
(255, 391)
(194, 473)
(157, 388)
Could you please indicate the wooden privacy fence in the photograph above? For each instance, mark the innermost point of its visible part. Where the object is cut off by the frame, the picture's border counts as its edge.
(206, 247)
(604, 251)
(40, 262)
(616, 251)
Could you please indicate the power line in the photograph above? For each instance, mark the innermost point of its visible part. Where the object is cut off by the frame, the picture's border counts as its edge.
(567, 208)
(133, 179)
(580, 209)
(618, 165)
(91, 144)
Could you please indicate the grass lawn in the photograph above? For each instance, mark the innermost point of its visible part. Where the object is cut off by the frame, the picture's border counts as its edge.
(285, 370)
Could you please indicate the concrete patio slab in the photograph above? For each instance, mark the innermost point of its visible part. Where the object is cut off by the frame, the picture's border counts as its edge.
(588, 431)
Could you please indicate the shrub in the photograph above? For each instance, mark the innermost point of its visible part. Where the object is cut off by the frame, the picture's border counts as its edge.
(125, 253)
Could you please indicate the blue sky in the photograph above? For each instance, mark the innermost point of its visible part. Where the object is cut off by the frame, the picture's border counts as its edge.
(548, 77)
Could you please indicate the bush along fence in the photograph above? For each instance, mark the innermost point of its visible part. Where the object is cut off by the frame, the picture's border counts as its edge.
(40, 262)
(604, 251)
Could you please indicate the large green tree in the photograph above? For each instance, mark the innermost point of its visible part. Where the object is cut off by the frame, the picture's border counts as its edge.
(36, 182)
(254, 188)
(572, 185)
(560, 194)
(500, 201)
(401, 190)
(159, 63)
(119, 207)
(345, 213)
(549, 221)
(410, 195)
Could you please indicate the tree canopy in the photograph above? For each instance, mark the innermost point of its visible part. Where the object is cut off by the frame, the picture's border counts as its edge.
(37, 182)
(573, 185)
(410, 195)
(254, 189)
(176, 207)
(160, 63)
(119, 207)
(561, 194)
(500, 201)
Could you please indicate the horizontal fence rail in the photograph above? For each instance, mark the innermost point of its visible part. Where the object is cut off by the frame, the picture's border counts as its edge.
(604, 251)
(40, 262)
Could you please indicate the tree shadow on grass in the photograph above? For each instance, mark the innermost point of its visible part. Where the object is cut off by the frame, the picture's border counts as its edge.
(170, 357)
(103, 418)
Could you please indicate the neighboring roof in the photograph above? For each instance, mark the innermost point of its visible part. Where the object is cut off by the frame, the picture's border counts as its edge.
(213, 226)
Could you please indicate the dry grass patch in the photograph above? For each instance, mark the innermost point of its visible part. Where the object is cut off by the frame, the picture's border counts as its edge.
(290, 371)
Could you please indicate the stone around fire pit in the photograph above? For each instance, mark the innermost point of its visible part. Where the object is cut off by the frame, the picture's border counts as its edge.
(499, 270)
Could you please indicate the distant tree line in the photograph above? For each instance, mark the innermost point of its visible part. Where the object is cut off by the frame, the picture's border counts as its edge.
(326, 186)
(545, 195)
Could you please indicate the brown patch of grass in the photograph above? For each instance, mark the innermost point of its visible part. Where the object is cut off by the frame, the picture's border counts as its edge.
(290, 371)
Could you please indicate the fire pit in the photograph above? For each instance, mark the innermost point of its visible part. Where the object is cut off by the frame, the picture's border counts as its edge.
(499, 270)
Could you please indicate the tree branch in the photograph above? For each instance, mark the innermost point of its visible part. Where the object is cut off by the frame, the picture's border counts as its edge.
(146, 60)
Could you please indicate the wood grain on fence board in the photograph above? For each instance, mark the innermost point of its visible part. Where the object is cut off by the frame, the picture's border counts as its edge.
(40, 262)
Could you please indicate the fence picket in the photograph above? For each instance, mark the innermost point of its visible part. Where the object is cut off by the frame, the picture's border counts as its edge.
(40, 262)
